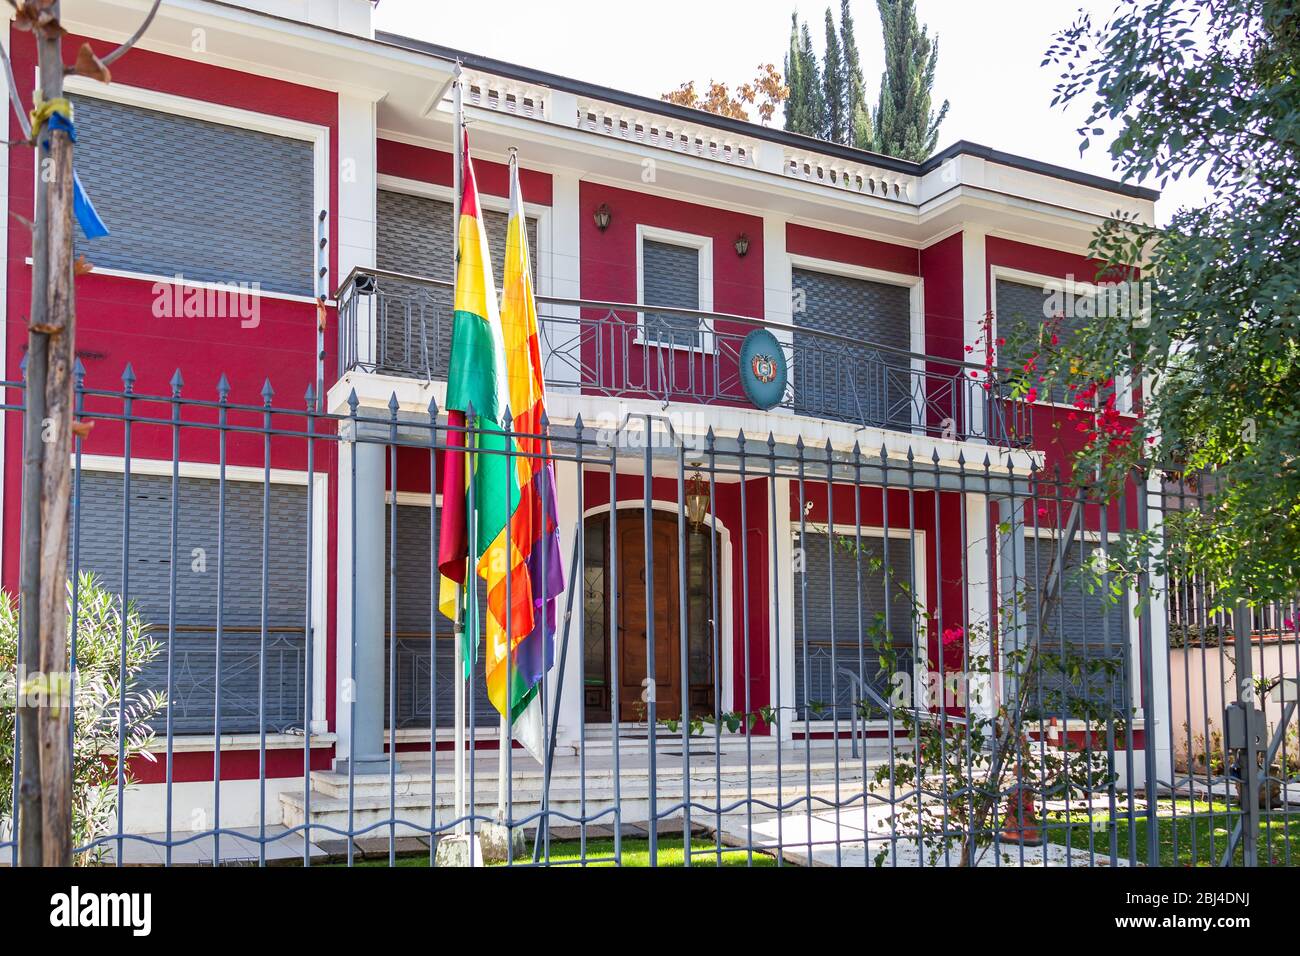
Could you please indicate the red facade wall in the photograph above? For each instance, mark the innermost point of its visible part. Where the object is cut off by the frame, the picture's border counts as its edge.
(435, 166)
(116, 325)
(854, 250)
(1055, 434)
(115, 320)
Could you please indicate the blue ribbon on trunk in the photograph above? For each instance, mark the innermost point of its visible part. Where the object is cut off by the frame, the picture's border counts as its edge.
(89, 220)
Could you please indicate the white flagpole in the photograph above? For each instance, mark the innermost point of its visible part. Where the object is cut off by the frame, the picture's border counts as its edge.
(504, 742)
(458, 144)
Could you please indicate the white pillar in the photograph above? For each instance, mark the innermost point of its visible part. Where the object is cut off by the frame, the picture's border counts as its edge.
(568, 694)
(979, 604)
(1012, 626)
(358, 192)
(361, 604)
(559, 275)
(1157, 729)
(974, 298)
(783, 631)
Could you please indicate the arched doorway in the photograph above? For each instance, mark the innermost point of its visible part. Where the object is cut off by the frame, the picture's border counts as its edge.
(617, 628)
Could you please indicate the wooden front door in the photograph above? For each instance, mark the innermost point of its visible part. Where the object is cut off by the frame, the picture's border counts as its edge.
(628, 619)
(634, 621)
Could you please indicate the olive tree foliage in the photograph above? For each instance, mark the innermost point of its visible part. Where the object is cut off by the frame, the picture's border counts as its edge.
(1211, 88)
(111, 702)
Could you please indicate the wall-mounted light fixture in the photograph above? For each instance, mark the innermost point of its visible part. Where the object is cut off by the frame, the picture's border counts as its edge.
(697, 501)
(742, 245)
(602, 217)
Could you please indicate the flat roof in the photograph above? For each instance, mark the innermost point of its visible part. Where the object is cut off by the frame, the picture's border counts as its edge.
(757, 131)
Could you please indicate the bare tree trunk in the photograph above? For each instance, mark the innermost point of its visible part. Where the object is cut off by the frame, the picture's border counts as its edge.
(45, 834)
(30, 812)
(45, 748)
(56, 489)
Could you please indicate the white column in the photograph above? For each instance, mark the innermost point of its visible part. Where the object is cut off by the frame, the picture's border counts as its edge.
(974, 298)
(559, 274)
(358, 187)
(568, 695)
(1012, 626)
(777, 295)
(783, 631)
(1158, 731)
(343, 611)
(361, 603)
(979, 606)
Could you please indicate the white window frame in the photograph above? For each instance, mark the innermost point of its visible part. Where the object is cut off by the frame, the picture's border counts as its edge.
(704, 247)
(1126, 608)
(386, 182)
(917, 538)
(1075, 287)
(237, 118)
(209, 471)
(916, 304)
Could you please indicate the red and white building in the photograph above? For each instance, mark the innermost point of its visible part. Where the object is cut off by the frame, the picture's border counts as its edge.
(286, 145)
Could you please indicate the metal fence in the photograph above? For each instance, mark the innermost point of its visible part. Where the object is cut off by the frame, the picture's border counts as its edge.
(621, 350)
(767, 653)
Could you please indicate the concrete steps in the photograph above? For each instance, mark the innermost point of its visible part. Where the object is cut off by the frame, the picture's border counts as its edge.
(727, 780)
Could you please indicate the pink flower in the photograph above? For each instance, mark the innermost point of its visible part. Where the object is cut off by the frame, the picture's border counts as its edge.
(1031, 395)
(1042, 513)
(1289, 624)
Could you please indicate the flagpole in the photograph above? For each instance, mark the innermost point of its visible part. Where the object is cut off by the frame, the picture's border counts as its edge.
(504, 741)
(458, 145)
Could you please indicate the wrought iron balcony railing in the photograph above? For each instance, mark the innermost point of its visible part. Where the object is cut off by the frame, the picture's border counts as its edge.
(399, 324)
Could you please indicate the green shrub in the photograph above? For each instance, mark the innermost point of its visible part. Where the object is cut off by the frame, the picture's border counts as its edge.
(101, 654)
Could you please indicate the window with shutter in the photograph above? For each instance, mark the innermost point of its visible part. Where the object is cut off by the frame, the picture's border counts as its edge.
(848, 638)
(1082, 634)
(198, 557)
(413, 237)
(671, 277)
(850, 380)
(204, 200)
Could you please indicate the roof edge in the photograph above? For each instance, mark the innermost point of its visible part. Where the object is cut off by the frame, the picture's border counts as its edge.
(757, 131)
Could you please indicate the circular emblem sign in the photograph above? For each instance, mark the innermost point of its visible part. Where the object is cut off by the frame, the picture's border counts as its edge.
(762, 369)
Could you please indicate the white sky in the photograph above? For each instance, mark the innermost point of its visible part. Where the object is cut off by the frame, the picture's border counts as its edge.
(989, 55)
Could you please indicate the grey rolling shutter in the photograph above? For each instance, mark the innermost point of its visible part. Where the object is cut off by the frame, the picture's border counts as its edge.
(416, 573)
(671, 277)
(1085, 626)
(99, 538)
(1021, 312)
(413, 237)
(208, 201)
(851, 380)
(815, 681)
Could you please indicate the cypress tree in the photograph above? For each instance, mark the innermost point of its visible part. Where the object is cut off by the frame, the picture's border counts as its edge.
(814, 98)
(906, 125)
(836, 128)
(857, 114)
(796, 105)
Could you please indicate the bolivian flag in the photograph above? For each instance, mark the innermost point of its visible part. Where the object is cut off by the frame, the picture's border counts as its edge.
(514, 681)
(477, 379)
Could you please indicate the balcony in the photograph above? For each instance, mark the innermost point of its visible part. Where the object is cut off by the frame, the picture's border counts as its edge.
(396, 324)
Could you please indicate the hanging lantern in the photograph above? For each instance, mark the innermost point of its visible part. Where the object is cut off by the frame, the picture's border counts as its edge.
(697, 501)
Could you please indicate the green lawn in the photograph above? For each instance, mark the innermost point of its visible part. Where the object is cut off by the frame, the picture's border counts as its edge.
(635, 852)
(1185, 840)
